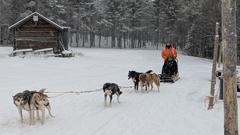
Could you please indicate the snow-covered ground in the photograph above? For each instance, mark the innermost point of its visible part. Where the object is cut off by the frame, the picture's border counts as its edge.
(177, 109)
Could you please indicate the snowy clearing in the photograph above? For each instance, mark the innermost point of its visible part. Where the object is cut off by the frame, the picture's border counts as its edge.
(177, 109)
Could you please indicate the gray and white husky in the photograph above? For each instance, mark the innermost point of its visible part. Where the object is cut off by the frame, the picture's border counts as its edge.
(32, 101)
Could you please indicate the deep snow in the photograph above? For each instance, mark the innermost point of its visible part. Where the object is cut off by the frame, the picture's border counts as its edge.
(177, 109)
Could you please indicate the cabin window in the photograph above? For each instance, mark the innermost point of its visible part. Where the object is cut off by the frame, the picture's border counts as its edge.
(35, 18)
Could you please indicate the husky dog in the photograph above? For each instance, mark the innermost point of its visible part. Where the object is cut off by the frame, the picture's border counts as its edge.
(110, 89)
(135, 77)
(147, 79)
(32, 101)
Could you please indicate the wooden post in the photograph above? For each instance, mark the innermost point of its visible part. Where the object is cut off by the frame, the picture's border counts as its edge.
(213, 82)
(229, 37)
(219, 55)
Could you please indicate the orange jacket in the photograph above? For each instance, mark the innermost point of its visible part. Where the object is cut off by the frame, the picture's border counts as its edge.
(167, 52)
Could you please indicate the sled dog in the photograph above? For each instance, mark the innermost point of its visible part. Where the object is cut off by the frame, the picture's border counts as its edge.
(110, 89)
(32, 101)
(147, 79)
(135, 78)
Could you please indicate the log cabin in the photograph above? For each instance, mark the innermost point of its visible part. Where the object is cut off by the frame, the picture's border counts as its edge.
(36, 31)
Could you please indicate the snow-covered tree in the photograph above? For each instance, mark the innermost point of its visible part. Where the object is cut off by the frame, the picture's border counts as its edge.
(189, 24)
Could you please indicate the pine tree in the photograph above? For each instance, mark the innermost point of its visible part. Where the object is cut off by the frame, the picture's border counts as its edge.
(112, 15)
(136, 13)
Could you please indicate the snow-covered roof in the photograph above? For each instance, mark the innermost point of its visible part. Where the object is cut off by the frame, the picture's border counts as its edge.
(40, 15)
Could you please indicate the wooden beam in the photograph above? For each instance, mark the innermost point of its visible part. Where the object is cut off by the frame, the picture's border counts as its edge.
(214, 65)
(40, 39)
(36, 29)
(36, 33)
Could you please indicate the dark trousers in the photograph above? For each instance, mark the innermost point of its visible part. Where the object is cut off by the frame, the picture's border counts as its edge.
(170, 69)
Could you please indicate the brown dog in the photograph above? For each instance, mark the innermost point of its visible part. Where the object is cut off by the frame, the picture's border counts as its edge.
(32, 101)
(147, 79)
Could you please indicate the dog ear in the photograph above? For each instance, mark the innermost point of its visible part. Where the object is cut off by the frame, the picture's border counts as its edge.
(42, 90)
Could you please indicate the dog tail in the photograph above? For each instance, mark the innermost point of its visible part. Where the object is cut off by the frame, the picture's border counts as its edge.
(49, 110)
(42, 90)
(149, 71)
(120, 92)
(157, 80)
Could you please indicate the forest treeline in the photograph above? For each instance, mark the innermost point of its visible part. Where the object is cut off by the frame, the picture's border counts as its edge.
(188, 24)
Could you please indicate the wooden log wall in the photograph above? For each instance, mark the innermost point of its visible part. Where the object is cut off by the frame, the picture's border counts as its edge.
(36, 35)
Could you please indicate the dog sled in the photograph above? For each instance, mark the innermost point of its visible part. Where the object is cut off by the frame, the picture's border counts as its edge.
(170, 71)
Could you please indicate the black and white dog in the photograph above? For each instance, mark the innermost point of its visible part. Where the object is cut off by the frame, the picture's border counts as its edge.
(110, 89)
(135, 77)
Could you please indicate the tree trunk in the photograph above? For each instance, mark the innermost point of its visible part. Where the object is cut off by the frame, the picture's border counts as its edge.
(139, 39)
(83, 39)
(113, 43)
(229, 37)
(124, 39)
(71, 35)
(77, 38)
(133, 40)
(128, 37)
(107, 38)
(219, 55)
(92, 39)
(1, 35)
(157, 38)
(99, 39)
